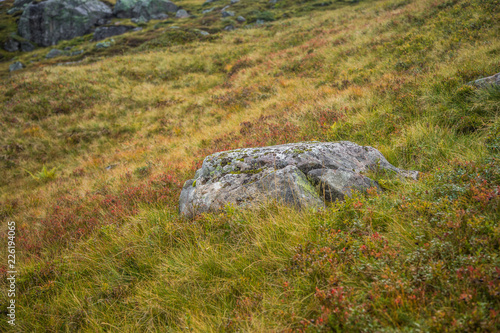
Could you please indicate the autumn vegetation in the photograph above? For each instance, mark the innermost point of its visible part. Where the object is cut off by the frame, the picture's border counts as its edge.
(93, 156)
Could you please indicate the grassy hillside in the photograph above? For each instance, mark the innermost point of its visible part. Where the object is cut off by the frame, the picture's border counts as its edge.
(93, 156)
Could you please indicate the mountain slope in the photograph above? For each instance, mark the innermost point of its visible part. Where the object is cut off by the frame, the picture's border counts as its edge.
(99, 241)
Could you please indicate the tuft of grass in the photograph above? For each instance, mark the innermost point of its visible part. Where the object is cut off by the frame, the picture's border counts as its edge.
(43, 175)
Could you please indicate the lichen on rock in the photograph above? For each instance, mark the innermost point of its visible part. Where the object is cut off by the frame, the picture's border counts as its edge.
(304, 174)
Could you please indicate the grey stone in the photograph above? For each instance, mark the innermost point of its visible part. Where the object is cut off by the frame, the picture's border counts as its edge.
(206, 11)
(139, 20)
(208, 2)
(260, 22)
(103, 45)
(11, 45)
(227, 13)
(16, 66)
(241, 19)
(300, 174)
(77, 52)
(487, 81)
(27, 46)
(161, 16)
(204, 33)
(181, 13)
(144, 8)
(51, 21)
(105, 32)
(234, 1)
(54, 53)
(229, 28)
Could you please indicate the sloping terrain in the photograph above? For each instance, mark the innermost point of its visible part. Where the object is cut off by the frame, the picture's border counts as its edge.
(94, 153)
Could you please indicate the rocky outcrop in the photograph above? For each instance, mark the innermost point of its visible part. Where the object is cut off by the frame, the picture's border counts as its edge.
(300, 174)
(51, 21)
(487, 81)
(147, 9)
(105, 32)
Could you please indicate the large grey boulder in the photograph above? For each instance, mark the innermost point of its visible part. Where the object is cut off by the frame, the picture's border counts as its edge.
(105, 32)
(300, 174)
(143, 8)
(51, 21)
(487, 81)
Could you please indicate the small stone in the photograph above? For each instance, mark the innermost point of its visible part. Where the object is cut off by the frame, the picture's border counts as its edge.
(234, 1)
(260, 22)
(204, 33)
(16, 66)
(103, 45)
(229, 28)
(206, 11)
(27, 46)
(240, 19)
(181, 13)
(161, 17)
(54, 53)
(105, 32)
(227, 13)
(140, 20)
(11, 45)
(77, 52)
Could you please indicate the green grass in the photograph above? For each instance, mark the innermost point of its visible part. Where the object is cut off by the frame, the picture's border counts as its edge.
(101, 246)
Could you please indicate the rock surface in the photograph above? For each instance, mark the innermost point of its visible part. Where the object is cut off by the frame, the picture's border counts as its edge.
(143, 8)
(105, 32)
(181, 13)
(51, 21)
(18, 6)
(301, 174)
(487, 81)
(16, 66)
(227, 13)
(14, 44)
(54, 53)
